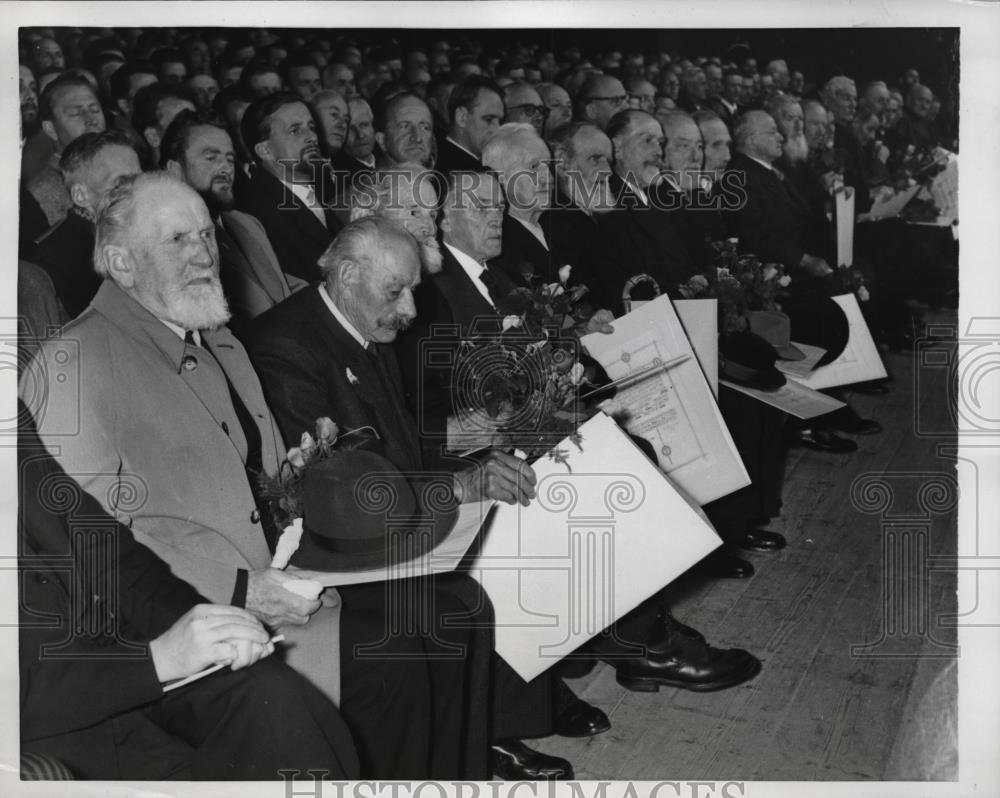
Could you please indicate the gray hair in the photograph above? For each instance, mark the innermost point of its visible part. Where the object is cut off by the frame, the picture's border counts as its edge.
(116, 219)
(746, 127)
(504, 147)
(363, 241)
(834, 84)
(372, 198)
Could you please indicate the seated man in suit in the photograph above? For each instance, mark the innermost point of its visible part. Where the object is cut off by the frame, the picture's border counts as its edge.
(360, 140)
(648, 647)
(638, 241)
(284, 189)
(200, 152)
(91, 165)
(524, 104)
(125, 628)
(727, 102)
(581, 155)
(475, 111)
(599, 99)
(168, 405)
(521, 161)
(325, 353)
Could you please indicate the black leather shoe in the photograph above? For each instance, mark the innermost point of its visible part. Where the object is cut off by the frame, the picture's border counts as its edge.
(687, 664)
(512, 760)
(846, 420)
(672, 626)
(822, 440)
(580, 719)
(763, 540)
(720, 565)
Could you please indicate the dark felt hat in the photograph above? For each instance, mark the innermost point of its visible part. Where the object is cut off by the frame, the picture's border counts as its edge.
(775, 328)
(360, 513)
(747, 359)
(819, 321)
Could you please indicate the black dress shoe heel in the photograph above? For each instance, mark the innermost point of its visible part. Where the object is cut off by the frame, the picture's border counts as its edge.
(637, 684)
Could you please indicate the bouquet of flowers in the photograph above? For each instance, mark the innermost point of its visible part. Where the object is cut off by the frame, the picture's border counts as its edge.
(740, 283)
(284, 491)
(917, 165)
(520, 386)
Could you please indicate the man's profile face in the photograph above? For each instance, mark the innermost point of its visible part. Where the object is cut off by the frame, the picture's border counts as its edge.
(335, 119)
(607, 99)
(717, 142)
(590, 163)
(713, 75)
(670, 84)
(47, 54)
(767, 138)
(106, 168)
(340, 78)
(483, 119)
(75, 111)
(814, 126)
(684, 150)
(920, 102)
(639, 152)
(878, 98)
(473, 220)
(381, 302)
(415, 207)
(209, 165)
(361, 134)
(791, 120)
(527, 179)
(845, 103)
(643, 96)
(409, 132)
(28, 91)
(525, 105)
(697, 85)
(175, 259)
(304, 81)
(293, 139)
(732, 88)
(747, 90)
(559, 104)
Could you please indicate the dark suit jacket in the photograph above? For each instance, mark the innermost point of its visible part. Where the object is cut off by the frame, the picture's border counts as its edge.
(298, 237)
(573, 238)
(855, 170)
(523, 259)
(775, 222)
(66, 252)
(636, 239)
(696, 218)
(306, 360)
(449, 308)
(75, 681)
(452, 158)
(715, 104)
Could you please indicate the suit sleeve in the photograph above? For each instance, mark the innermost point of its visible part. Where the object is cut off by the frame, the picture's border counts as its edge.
(293, 384)
(763, 235)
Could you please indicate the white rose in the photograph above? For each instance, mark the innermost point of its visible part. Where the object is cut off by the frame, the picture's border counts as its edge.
(509, 322)
(564, 273)
(784, 281)
(863, 294)
(576, 373)
(770, 273)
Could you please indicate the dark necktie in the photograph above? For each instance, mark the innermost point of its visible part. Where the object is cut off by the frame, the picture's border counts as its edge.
(487, 278)
(254, 464)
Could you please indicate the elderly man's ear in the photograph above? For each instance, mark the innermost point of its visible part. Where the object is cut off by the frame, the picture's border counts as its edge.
(121, 267)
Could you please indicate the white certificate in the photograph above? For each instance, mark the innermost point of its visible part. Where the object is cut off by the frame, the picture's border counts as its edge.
(673, 409)
(606, 531)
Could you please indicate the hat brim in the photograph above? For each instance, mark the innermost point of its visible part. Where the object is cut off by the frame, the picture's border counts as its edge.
(762, 380)
(790, 352)
(410, 540)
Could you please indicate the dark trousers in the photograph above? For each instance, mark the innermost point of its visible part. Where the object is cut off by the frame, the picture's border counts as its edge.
(415, 665)
(756, 430)
(241, 726)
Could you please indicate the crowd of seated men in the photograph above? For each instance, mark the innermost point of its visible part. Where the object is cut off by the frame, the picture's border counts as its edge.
(244, 231)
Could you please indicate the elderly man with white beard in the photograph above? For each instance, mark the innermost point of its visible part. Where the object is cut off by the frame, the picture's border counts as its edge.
(406, 195)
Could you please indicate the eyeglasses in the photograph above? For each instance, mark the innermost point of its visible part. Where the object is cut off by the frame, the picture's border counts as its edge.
(530, 110)
(619, 100)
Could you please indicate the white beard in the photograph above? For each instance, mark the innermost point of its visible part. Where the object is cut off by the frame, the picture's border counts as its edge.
(201, 307)
(430, 255)
(796, 148)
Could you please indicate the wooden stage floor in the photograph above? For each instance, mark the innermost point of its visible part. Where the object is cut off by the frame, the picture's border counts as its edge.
(850, 621)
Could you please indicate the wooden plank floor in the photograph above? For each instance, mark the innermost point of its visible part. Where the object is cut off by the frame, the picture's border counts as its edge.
(822, 708)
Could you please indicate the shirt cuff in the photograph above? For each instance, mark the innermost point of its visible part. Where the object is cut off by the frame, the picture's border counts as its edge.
(240, 591)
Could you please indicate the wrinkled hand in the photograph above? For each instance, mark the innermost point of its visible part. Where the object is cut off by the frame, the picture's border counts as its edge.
(209, 634)
(817, 267)
(601, 322)
(497, 476)
(273, 603)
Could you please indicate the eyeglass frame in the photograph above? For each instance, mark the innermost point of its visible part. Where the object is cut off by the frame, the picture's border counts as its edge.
(535, 110)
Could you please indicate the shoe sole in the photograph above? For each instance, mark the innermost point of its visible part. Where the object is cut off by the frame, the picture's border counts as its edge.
(647, 684)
